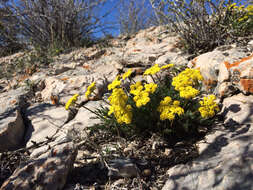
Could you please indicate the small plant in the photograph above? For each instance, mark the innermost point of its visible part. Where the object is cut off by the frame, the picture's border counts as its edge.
(170, 105)
(240, 19)
(205, 25)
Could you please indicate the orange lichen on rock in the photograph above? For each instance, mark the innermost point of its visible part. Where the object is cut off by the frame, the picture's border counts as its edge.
(13, 102)
(136, 50)
(228, 65)
(65, 78)
(247, 85)
(194, 62)
(86, 67)
(209, 83)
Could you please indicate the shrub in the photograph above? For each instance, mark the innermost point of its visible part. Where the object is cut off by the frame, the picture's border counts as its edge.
(9, 42)
(204, 25)
(135, 16)
(170, 105)
(61, 23)
(240, 20)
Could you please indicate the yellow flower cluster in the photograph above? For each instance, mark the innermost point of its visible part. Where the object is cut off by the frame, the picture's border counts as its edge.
(152, 70)
(122, 111)
(71, 101)
(141, 97)
(167, 66)
(184, 82)
(208, 107)
(247, 11)
(115, 83)
(127, 74)
(188, 92)
(169, 109)
(90, 89)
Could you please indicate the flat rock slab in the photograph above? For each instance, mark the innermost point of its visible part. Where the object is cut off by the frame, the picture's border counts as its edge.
(238, 109)
(48, 172)
(12, 127)
(225, 162)
(46, 120)
(84, 118)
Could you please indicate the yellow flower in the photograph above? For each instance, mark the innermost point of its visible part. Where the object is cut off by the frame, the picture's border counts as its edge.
(150, 88)
(167, 66)
(118, 97)
(136, 88)
(71, 101)
(188, 92)
(141, 99)
(152, 70)
(115, 83)
(127, 74)
(168, 109)
(208, 107)
(90, 89)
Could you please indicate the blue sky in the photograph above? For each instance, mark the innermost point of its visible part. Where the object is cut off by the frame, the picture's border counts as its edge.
(112, 18)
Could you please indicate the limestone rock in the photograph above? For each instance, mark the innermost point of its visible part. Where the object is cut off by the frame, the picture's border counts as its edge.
(47, 173)
(123, 168)
(11, 122)
(225, 162)
(227, 67)
(12, 131)
(46, 120)
(238, 109)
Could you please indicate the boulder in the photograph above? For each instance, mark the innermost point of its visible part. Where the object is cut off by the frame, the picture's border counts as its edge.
(12, 126)
(238, 109)
(225, 162)
(226, 70)
(47, 172)
(45, 121)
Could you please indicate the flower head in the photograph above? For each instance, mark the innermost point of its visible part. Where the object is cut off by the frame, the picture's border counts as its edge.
(208, 107)
(71, 101)
(127, 74)
(90, 89)
(167, 66)
(169, 109)
(136, 88)
(141, 99)
(115, 83)
(152, 70)
(150, 88)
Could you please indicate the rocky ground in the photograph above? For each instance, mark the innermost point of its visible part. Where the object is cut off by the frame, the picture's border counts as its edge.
(42, 147)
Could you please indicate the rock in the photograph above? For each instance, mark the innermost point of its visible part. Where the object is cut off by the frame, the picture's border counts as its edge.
(241, 73)
(46, 120)
(83, 119)
(225, 69)
(225, 162)
(172, 57)
(53, 86)
(12, 127)
(238, 109)
(48, 172)
(12, 131)
(123, 168)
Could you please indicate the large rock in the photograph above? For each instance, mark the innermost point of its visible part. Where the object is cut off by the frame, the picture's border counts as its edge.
(225, 162)
(12, 131)
(84, 119)
(238, 109)
(11, 122)
(46, 120)
(226, 70)
(48, 172)
(226, 154)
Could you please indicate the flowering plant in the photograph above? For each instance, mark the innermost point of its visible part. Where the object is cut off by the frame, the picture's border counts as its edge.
(170, 104)
(240, 19)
